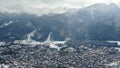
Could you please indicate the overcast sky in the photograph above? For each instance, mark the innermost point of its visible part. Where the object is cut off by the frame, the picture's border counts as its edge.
(46, 5)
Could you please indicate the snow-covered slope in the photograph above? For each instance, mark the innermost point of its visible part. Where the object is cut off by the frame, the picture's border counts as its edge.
(95, 22)
(6, 24)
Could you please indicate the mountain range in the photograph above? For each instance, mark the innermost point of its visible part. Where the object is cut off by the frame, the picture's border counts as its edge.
(100, 22)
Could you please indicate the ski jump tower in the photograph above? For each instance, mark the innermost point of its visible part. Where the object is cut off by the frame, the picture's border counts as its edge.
(49, 39)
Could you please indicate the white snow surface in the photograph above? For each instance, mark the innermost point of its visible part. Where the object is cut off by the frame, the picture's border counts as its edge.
(49, 41)
(118, 42)
(6, 24)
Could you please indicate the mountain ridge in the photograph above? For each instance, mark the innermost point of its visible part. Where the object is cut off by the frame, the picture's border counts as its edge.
(90, 23)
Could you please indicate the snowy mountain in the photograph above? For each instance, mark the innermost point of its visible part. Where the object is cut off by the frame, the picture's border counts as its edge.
(96, 22)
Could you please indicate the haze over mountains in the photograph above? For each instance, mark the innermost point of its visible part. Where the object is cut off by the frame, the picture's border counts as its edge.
(96, 22)
(37, 37)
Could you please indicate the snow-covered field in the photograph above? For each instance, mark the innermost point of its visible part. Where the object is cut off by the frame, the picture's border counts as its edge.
(118, 42)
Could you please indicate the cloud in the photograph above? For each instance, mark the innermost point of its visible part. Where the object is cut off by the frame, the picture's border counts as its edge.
(44, 6)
